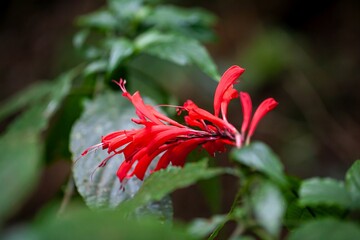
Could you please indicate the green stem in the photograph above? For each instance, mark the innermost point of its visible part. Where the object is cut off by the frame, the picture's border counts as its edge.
(228, 217)
(69, 191)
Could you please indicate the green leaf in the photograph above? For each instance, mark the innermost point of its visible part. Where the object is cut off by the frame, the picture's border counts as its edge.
(193, 23)
(352, 183)
(163, 182)
(329, 229)
(125, 9)
(120, 50)
(260, 157)
(36, 118)
(106, 224)
(202, 227)
(97, 66)
(21, 148)
(24, 98)
(269, 207)
(178, 17)
(80, 38)
(327, 191)
(19, 168)
(177, 49)
(101, 19)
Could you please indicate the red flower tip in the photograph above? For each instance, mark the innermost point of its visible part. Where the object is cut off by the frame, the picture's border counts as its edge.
(266, 106)
(225, 92)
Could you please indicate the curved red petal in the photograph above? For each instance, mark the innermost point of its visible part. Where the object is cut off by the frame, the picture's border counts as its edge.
(123, 170)
(265, 107)
(226, 82)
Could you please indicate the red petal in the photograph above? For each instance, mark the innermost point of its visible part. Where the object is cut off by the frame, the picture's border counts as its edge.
(168, 135)
(144, 163)
(197, 113)
(265, 107)
(214, 146)
(226, 82)
(123, 170)
(247, 110)
(179, 153)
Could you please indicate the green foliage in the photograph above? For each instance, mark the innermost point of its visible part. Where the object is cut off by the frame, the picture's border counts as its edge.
(163, 182)
(352, 183)
(329, 191)
(329, 229)
(97, 225)
(126, 29)
(22, 161)
(324, 191)
(260, 157)
(269, 207)
(177, 49)
(268, 203)
(204, 227)
(21, 146)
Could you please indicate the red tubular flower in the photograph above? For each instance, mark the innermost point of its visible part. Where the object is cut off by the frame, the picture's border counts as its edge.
(172, 141)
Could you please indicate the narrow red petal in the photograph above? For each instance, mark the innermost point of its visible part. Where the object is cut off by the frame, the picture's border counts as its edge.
(168, 135)
(123, 170)
(144, 163)
(142, 110)
(230, 94)
(247, 111)
(265, 107)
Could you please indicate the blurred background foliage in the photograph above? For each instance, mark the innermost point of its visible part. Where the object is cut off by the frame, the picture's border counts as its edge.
(302, 53)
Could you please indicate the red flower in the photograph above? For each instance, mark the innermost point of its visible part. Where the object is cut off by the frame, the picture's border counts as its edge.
(162, 136)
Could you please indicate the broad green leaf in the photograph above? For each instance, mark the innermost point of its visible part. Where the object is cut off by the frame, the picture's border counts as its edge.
(125, 9)
(19, 168)
(193, 23)
(100, 187)
(352, 183)
(260, 157)
(329, 229)
(101, 19)
(120, 50)
(163, 182)
(177, 16)
(269, 207)
(106, 225)
(202, 227)
(177, 49)
(327, 191)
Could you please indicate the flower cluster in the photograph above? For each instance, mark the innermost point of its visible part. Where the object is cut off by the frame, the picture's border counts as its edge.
(172, 141)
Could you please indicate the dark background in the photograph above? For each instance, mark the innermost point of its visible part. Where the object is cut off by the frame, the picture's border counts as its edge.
(306, 54)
